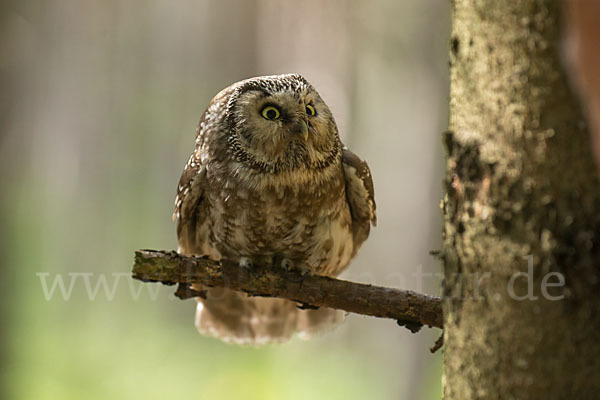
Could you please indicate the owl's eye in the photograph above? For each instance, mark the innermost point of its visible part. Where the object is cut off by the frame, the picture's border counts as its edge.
(270, 112)
(310, 110)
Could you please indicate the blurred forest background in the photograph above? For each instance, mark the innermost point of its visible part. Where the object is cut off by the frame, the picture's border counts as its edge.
(100, 100)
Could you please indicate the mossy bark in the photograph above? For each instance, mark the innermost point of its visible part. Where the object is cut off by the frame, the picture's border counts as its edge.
(409, 309)
(521, 189)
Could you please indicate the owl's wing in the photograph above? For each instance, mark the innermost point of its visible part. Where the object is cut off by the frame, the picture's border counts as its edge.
(189, 210)
(189, 193)
(360, 196)
(189, 189)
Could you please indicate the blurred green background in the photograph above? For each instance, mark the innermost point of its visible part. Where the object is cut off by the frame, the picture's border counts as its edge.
(99, 105)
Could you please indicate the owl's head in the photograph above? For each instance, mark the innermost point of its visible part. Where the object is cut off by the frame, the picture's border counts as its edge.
(280, 123)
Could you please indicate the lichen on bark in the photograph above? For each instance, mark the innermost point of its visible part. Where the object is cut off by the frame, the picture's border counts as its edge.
(521, 186)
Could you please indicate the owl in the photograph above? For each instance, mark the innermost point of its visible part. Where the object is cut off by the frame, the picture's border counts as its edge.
(270, 183)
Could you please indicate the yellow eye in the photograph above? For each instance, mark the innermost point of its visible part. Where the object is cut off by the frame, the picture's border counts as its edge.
(270, 112)
(310, 110)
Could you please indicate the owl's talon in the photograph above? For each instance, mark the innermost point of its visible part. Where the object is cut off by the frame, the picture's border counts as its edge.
(245, 262)
(303, 269)
(287, 264)
(248, 265)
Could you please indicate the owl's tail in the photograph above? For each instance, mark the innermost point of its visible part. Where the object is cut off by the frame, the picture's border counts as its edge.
(236, 318)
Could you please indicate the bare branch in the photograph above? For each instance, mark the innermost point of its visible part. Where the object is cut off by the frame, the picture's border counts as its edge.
(410, 309)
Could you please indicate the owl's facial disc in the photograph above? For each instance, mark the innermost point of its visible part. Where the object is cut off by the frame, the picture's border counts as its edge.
(284, 129)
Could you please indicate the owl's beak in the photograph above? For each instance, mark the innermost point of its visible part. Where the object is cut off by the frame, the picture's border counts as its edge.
(301, 129)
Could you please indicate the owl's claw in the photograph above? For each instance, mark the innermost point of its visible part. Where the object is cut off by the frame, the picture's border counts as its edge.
(245, 262)
(289, 266)
(248, 265)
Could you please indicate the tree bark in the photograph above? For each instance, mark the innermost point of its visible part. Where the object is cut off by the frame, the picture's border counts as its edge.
(522, 208)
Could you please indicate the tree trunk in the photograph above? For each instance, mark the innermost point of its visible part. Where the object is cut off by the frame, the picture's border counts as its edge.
(522, 212)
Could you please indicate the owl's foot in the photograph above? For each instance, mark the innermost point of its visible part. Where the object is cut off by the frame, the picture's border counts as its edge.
(248, 265)
(289, 266)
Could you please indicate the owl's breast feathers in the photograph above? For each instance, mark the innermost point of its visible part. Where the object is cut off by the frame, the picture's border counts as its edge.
(322, 224)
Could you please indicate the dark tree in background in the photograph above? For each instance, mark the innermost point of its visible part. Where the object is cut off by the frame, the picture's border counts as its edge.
(521, 188)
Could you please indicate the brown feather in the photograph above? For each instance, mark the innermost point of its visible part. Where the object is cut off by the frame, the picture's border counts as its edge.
(254, 190)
